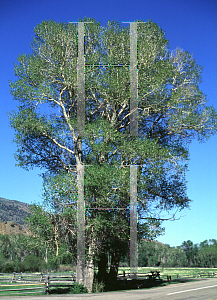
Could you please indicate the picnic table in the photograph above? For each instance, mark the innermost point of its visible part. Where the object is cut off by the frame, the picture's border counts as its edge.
(152, 275)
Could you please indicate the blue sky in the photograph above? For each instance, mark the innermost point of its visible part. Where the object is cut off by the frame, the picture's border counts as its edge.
(189, 24)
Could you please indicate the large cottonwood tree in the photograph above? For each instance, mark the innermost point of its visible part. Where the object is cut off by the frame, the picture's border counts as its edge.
(172, 111)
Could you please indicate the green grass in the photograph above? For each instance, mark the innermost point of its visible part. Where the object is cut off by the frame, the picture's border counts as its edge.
(173, 272)
(6, 286)
(164, 272)
(55, 288)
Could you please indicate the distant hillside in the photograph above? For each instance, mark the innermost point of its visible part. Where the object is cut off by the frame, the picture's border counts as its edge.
(13, 211)
(152, 241)
(10, 228)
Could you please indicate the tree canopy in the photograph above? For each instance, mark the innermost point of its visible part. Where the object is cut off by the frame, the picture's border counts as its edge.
(172, 111)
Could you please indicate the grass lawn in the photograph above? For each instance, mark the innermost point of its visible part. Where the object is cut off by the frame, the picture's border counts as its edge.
(7, 288)
(174, 272)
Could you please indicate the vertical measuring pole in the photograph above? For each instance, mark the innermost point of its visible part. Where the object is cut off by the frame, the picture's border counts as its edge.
(80, 168)
(133, 223)
(133, 168)
(81, 226)
(133, 80)
(80, 78)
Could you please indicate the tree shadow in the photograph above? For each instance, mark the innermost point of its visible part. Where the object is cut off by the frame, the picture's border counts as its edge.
(126, 284)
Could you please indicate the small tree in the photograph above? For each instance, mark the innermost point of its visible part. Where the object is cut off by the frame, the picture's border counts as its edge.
(55, 231)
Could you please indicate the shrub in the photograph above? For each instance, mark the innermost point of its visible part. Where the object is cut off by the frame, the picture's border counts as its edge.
(8, 267)
(98, 287)
(64, 268)
(32, 263)
(78, 288)
(124, 264)
(2, 261)
(18, 267)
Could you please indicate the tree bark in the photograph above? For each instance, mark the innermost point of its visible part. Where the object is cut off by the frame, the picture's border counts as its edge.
(89, 271)
(56, 239)
(115, 259)
(102, 268)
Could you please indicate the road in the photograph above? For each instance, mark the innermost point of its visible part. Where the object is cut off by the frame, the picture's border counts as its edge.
(203, 289)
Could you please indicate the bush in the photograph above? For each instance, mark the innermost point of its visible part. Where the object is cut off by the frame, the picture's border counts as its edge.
(18, 267)
(78, 288)
(124, 264)
(2, 261)
(65, 268)
(53, 264)
(8, 267)
(98, 287)
(32, 263)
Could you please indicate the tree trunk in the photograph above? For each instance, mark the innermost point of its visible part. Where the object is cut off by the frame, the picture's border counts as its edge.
(46, 255)
(89, 271)
(89, 275)
(115, 259)
(56, 240)
(102, 268)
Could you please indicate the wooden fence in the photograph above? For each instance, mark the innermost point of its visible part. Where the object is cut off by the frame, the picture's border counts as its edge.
(24, 283)
(196, 275)
(155, 275)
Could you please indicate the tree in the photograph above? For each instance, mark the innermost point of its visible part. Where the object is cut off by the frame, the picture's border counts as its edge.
(171, 112)
(14, 250)
(207, 254)
(148, 254)
(56, 232)
(191, 252)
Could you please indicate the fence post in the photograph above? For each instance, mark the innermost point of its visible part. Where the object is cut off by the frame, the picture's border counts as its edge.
(21, 276)
(13, 277)
(47, 284)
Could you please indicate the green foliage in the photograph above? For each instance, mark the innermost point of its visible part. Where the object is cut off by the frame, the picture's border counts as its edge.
(151, 254)
(39, 222)
(78, 288)
(2, 259)
(33, 263)
(98, 287)
(21, 253)
(172, 111)
(27, 254)
(55, 226)
(8, 267)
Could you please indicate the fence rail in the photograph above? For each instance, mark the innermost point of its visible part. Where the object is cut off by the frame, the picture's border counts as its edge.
(22, 283)
(168, 277)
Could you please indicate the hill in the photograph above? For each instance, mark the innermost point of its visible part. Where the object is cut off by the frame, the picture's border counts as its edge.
(10, 228)
(13, 211)
(12, 216)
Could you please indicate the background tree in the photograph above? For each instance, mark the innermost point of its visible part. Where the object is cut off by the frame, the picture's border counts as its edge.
(56, 232)
(171, 110)
(190, 251)
(207, 254)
